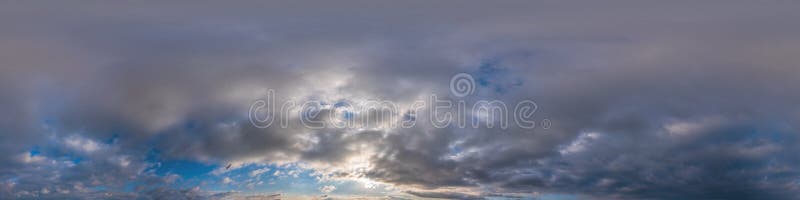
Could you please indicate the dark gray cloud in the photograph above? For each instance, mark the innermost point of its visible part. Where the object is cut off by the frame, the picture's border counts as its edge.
(649, 100)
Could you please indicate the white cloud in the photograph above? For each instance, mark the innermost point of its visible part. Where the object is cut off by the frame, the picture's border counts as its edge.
(82, 144)
(327, 189)
(227, 180)
(257, 172)
(579, 144)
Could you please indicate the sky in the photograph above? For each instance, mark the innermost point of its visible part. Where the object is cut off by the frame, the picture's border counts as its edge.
(550, 100)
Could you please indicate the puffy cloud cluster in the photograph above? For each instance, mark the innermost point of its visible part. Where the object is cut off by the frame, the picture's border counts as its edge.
(648, 100)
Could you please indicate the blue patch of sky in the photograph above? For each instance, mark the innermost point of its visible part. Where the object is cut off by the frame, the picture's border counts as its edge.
(34, 151)
(493, 74)
(185, 168)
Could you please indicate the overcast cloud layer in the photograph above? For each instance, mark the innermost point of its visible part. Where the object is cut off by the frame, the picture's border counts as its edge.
(647, 99)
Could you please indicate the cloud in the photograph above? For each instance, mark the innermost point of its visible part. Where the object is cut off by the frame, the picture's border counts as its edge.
(227, 180)
(258, 172)
(443, 195)
(327, 189)
(662, 100)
